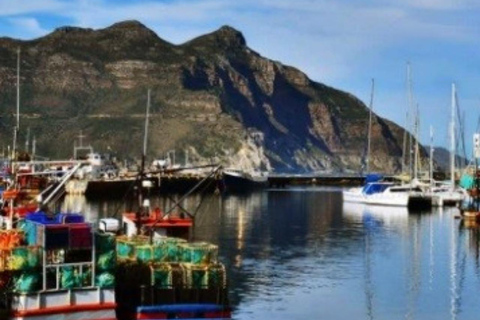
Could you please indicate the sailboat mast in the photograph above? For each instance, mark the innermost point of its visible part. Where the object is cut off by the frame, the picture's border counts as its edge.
(410, 100)
(18, 88)
(452, 139)
(370, 125)
(34, 147)
(145, 137)
(17, 124)
(431, 156)
(416, 155)
(404, 148)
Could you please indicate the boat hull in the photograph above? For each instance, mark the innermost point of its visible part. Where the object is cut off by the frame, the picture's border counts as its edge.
(81, 304)
(240, 183)
(415, 201)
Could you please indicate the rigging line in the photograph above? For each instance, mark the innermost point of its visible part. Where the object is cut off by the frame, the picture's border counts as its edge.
(461, 126)
(202, 193)
(127, 193)
(192, 190)
(184, 197)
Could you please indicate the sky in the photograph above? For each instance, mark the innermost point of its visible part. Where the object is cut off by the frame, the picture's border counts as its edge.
(341, 43)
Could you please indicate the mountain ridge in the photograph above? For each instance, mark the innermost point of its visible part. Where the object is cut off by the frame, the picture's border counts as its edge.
(212, 95)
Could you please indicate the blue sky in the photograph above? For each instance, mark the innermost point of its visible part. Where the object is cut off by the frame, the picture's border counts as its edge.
(342, 43)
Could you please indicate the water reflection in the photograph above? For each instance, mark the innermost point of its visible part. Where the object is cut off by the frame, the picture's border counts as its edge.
(303, 254)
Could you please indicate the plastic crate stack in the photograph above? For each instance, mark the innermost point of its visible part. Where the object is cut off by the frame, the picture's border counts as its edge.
(174, 262)
(66, 242)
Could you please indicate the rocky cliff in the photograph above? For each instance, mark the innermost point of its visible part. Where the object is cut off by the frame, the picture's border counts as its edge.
(212, 96)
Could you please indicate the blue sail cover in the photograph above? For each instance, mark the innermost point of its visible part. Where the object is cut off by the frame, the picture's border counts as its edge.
(373, 177)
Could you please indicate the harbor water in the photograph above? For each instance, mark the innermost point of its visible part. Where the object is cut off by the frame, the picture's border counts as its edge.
(301, 253)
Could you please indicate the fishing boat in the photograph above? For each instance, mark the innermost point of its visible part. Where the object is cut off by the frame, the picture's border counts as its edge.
(243, 181)
(163, 275)
(49, 267)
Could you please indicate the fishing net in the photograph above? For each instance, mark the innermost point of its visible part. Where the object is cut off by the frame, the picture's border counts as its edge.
(160, 252)
(68, 278)
(144, 253)
(162, 276)
(217, 276)
(173, 248)
(105, 280)
(23, 258)
(125, 250)
(27, 282)
(106, 261)
(197, 276)
(126, 247)
(105, 242)
(198, 253)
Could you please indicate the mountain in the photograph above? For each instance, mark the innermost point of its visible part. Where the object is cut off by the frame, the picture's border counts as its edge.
(213, 96)
(441, 156)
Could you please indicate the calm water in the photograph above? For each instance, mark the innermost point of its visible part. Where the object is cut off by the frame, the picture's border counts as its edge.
(301, 254)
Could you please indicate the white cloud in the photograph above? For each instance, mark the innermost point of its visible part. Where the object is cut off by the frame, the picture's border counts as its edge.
(28, 26)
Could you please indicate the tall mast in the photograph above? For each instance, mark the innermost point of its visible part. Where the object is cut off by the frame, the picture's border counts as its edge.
(18, 88)
(431, 156)
(145, 137)
(34, 147)
(410, 100)
(370, 126)
(17, 123)
(416, 154)
(27, 141)
(452, 139)
(142, 168)
(404, 149)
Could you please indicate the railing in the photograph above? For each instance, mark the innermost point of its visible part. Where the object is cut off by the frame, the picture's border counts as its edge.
(80, 269)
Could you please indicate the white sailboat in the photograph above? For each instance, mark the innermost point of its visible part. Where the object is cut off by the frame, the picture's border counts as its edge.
(447, 193)
(385, 193)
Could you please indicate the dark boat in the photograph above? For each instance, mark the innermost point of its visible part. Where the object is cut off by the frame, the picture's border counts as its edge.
(241, 181)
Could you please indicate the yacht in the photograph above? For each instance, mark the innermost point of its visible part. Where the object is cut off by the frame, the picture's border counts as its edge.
(388, 194)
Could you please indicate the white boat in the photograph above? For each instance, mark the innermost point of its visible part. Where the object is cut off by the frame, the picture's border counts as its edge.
(444, 195)
(387, 194)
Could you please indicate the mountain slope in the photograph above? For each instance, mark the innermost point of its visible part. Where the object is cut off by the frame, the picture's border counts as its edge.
(213, 96)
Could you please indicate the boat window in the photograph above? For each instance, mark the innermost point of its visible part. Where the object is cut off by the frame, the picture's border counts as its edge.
(416, 189)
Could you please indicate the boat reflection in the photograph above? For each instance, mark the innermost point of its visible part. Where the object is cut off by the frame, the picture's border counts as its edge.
(376, 215)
